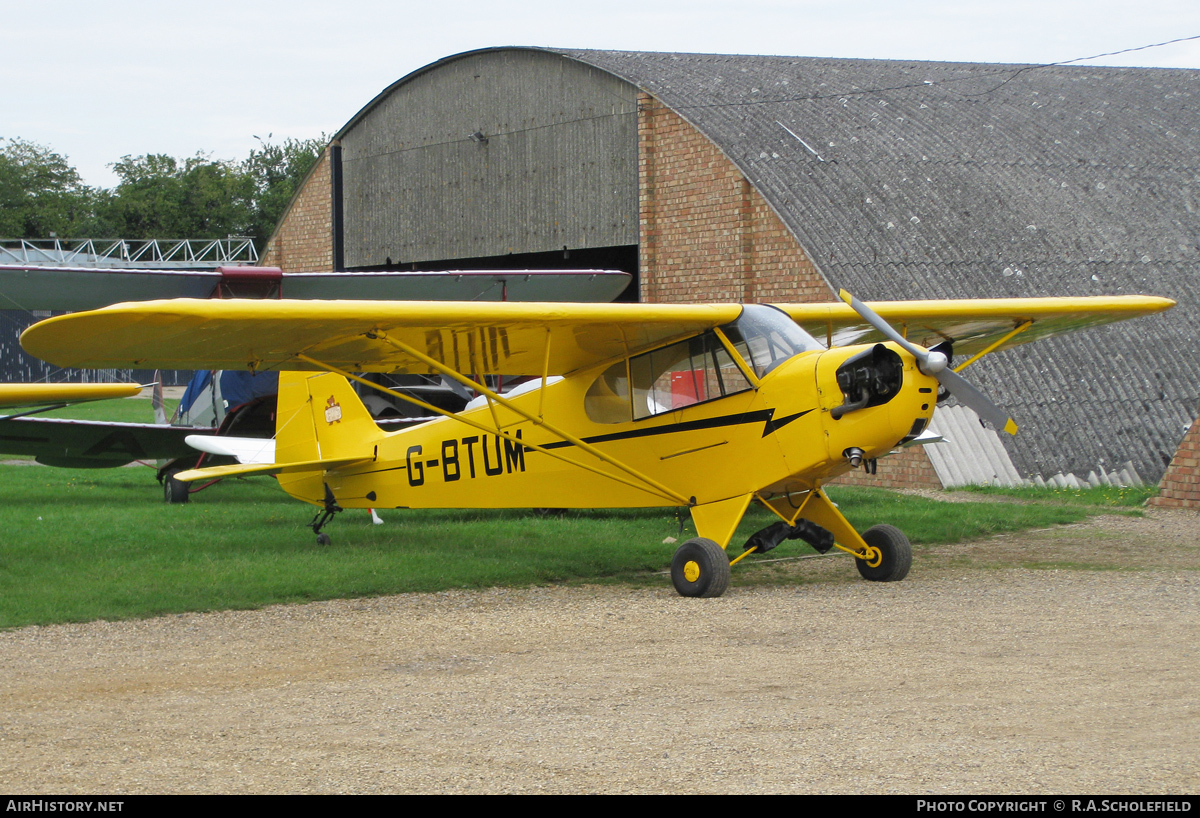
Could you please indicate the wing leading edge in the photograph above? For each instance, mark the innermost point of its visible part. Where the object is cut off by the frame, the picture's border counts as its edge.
(488, 338)
(976, 324)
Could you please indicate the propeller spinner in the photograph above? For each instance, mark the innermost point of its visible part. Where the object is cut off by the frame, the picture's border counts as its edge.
(938, 365)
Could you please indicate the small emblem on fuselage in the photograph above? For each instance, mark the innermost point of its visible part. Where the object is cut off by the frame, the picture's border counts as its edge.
(333, 411)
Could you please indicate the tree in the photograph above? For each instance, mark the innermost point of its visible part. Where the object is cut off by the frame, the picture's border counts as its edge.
(276, 172)
(160, 197)
(157, 197)
(41, 194)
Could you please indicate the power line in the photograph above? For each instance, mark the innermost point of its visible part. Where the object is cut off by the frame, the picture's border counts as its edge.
(1083, 59)
(935, 83)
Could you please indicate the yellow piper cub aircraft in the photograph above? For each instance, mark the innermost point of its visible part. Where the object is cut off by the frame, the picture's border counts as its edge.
(708, 407)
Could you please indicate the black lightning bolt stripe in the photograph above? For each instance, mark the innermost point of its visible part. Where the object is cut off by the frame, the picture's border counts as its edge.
(763, 416)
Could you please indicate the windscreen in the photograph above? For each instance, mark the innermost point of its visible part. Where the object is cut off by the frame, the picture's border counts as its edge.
(766, 337)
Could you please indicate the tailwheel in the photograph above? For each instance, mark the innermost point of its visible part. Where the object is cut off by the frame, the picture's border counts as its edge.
(700, 568)
(895, 554)
(324, 516)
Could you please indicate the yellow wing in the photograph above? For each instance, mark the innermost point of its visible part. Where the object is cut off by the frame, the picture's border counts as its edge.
(499, 338)
(41, 394)
(973, 325)
(489, 338)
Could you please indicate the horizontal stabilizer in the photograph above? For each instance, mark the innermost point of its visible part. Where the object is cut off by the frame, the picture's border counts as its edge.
(243, 470)
(248, 450)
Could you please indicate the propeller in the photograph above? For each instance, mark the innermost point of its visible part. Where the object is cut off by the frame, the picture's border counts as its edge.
(938, 365)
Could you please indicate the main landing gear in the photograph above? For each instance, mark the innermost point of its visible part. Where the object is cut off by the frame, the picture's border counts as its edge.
(174, 491)
(895, 554)
(701, 566)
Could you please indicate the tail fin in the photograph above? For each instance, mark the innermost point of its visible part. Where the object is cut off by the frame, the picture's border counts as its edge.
(320, 417)
(320, 424)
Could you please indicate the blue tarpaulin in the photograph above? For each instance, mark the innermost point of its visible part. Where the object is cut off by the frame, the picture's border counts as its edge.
(236, 387)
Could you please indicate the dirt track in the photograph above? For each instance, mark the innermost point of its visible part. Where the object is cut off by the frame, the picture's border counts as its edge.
(952, 681)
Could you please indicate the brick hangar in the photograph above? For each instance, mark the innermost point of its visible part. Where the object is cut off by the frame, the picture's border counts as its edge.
(760, 179)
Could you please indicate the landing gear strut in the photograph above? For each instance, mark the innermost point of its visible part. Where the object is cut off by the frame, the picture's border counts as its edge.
(324, 516)
(701, 567)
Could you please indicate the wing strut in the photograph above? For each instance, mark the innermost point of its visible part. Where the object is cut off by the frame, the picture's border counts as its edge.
(993, 347)
(647, 484)
(449, 372)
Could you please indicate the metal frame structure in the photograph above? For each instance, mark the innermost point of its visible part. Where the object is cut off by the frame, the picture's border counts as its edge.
(130, 253)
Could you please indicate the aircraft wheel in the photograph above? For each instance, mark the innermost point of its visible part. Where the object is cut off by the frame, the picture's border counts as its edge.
(324, 539)
(700, 568)
(896, 550)
(174, 491)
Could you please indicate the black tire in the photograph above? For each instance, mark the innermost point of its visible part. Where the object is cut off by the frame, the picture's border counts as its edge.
(896, 550)
(324, 539)
(700, 568)
(174, 491)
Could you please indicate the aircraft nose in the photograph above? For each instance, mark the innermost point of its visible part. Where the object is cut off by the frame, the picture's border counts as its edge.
(874, 397)
(869, 378)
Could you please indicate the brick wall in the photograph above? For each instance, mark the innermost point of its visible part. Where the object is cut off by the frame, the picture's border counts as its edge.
(303, 240)
(706, 234)
(910, 469)
(1180, 486)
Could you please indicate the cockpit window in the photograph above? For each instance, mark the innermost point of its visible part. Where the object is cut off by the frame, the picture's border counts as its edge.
(694, 371)
(766, 337)
(697, 370)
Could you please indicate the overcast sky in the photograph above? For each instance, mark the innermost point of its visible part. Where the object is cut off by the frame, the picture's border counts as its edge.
(98, 81)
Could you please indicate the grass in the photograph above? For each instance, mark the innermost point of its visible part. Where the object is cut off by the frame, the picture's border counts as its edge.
(99, 544)
(125, 410)
(1107, 496)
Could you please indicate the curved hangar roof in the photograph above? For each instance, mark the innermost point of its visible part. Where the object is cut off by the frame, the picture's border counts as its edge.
(906, 180)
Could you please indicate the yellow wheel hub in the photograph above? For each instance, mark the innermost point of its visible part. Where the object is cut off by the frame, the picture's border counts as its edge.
(874, 556)
(691, 571)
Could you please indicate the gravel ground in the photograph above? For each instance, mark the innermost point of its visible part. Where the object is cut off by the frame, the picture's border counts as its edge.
(953, 681)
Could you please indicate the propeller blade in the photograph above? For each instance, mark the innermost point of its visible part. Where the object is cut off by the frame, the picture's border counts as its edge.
(937, 364)
(968, 395)
(871, 317)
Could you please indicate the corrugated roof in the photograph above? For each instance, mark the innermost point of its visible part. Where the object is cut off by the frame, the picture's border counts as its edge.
(952, 180)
